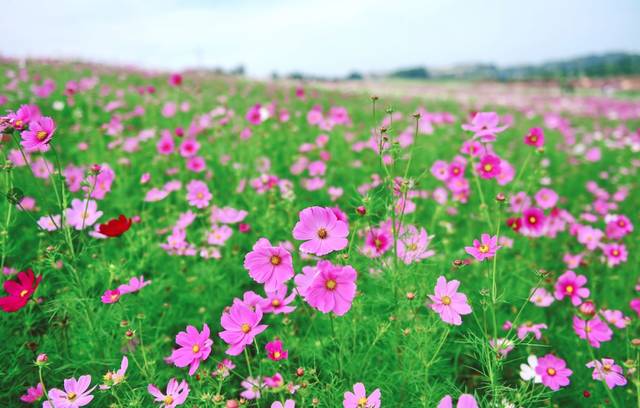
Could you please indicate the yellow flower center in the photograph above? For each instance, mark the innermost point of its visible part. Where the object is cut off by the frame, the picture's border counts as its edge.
(621, 223)
(23, 292)
(377, 243)
(72, 396)
(533, 220)
(19, 123)
(446, 300)
(322, 233)
(245, 328)
(587, 329)
(276, 354)
(569, 289)
(200, 196)
(330, 284)
(275, 260)
(362, 402)
(41, 135)
(275, 303)
(168, 400)
(533, 138)
(195, 348)
(483, 248)
(488, 167)
(606, 367)
(615, 252)
(412, 247)
(551, 371)
(114, 297)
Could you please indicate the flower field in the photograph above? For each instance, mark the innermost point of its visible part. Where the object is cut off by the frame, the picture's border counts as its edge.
(198, 240)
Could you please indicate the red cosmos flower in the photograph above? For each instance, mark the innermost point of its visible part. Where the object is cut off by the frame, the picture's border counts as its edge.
(20, 291)
(115, 227)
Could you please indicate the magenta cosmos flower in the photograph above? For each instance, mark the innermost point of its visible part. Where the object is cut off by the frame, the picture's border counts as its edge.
(571, 285)
(33, 394)
(176, 394)
(594, 331)
(331, 288)
(241, 326)
(322, 230)
(464, 401)
(194, 347)
(485, 248)
(448, 303)
(76, 394)
(554, 371)
(489, 166)
(40, 132)
(269, 265)
(110, 296)
(358, 398)
(535, 137)
(275, 351)
(608, 371)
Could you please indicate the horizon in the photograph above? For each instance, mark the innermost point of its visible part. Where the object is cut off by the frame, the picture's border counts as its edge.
(262, 36)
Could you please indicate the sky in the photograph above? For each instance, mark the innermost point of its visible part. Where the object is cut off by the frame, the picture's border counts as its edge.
(320, 37)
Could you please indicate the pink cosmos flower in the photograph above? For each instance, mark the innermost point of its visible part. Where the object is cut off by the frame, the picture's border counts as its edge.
(546, 198)
(33, 394)
(413, 245)
(618, 227)
(321, 230)
(485, 126)
(485, 248)
(269, 265)
(634, 304)
(615, 253)
(358, 398)
(571, 285)
(277, 301)
(464, 401)
(252, 387)
(196, 164)
(76, 394)
(112, 378)
(287, 404)
(227, 215)
(82, 214)
(529, 327)
(332, 288)
(541, 298)
(241, 325)
(189, 148)
(489, 166)
(616, 318)
(22, 117)
(608, 371)
(594, 330)
(589, 237)
(40, 133)
(502, 346)
(50, 222)
(194, 347)
(275, 351)
(219, 234)
(554, 372)
(110, 296)
(535, 137)
(198, 194)
(134, 285)
(448, 303)
(176, 394)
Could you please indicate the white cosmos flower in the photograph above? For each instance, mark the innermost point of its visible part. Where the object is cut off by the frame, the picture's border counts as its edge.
(528, 372)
